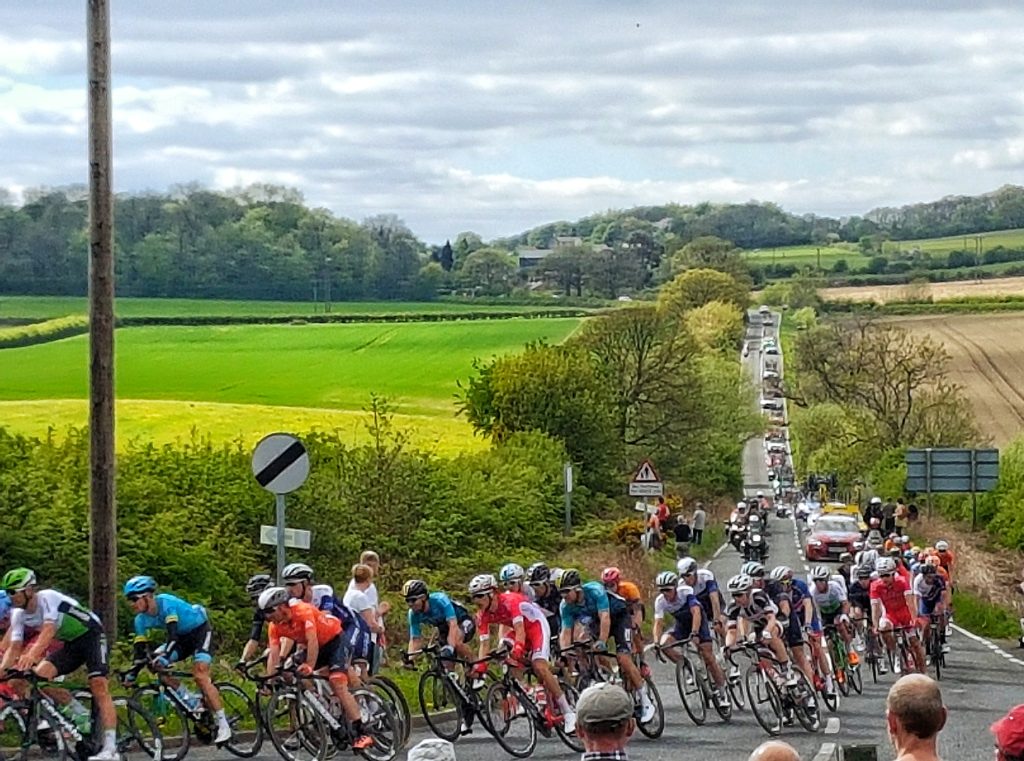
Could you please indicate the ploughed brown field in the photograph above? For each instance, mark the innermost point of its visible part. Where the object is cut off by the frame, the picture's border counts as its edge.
(1003, 286)
(988, 360)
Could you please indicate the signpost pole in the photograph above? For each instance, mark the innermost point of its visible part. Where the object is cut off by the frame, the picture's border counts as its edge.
(974, 489)
(928, 478)
(279, 499)
(568, 498)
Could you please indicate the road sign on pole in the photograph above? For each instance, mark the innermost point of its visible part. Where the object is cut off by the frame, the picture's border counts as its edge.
(646, 482)
(296, 538)
(280, 465)
(953, 470)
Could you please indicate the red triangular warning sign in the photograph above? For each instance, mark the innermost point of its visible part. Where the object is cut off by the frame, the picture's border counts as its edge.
(646, 474)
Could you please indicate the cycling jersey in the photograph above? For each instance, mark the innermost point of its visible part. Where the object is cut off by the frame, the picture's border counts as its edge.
(830, 601)
(304, 618)
(859, 594)
(438, 611)
(681, 609)
(629, 592)
(759, 606)
(169, 610)
(71, 618)
(513, 608)
(929, 592)
(947, 559)
(324, 599)
(893, 599)
(595, 600)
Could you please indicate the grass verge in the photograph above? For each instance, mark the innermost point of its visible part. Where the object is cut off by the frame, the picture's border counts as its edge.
(984, 618)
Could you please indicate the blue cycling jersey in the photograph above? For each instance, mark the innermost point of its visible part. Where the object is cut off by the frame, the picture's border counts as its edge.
(798, 592)
(440, 608)
(324, 599)
(596, 599)
(169, 610)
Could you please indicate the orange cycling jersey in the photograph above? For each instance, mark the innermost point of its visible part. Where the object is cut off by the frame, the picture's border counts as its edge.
(629, 592)
(302, 619)
(946, 559)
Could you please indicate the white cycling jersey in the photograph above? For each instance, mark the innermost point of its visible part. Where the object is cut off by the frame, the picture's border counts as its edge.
(704, 577)
(663, 605)
(829, 602)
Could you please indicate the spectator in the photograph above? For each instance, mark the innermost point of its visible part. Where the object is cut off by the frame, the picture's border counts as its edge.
(604, 722)
(1009, 734)
(900, 516)
(774, 750)
(663, 514)
(432, 750)
(915, 716)
(372, 559)
(358, 600)
(699, 516)
(888, 517)
(683, 536)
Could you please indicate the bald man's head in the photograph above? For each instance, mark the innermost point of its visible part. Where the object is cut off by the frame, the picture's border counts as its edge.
(915, 701)
(774, 750)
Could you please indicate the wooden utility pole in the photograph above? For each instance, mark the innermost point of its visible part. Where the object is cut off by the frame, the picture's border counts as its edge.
(103, 508)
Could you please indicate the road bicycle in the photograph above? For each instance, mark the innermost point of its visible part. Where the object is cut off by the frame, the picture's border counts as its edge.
(847, 675)
(694, 683)
(449, 703)
(39, 720)
(773, 700)
(905, 653)
(184, 718)
(933, 643)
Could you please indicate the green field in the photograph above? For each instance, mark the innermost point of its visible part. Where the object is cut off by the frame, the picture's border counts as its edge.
(43, 307)
(801, 255)
(301, 376)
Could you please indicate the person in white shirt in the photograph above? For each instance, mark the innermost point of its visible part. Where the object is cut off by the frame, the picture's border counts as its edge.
(699, 516)
(372, 559)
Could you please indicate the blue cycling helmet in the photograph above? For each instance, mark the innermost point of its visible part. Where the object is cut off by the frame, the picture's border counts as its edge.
(137, 585)
(5, 605)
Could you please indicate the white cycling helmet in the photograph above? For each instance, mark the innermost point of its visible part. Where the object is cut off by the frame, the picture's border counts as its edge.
(753, 569)
(942, 545)
(297, 572)
(666, 579)
(482, 584)
(686, 566)
(272, 597)
(739, 584)
(885, 565)
(876, 500)
(511, 572)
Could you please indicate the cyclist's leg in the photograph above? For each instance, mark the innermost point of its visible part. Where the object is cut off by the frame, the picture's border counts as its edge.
(708, 654)
(198, 644)
(90, 650)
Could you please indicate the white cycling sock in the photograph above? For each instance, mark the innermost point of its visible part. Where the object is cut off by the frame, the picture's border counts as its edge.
(563, 705)
(109, 740)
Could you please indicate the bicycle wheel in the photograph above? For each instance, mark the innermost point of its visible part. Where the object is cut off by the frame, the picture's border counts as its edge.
(690, 692)
(52, 742)
(653, 728)
(246, 727)
(569, 738)
(734, 683)
(837, 652)
(12, 733)
(765, 700)
(138, 735)
(831, 700)
(803, 703)
(937, 656)
(441, 705)
(379, 723)
(170, 718)
(297, 731)
(513, 726)
(393, 696)
(855, 678)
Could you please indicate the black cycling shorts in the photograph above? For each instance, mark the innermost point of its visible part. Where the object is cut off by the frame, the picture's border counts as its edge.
(467, 626)
(197, 644)
(620, 630)
(90, 650)
(333, 655)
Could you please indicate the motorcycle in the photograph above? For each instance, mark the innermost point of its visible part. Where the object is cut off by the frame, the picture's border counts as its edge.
(754, 548)
(736, 533)
(781, 511)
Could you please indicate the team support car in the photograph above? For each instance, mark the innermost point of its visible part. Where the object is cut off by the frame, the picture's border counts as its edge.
(831, 536)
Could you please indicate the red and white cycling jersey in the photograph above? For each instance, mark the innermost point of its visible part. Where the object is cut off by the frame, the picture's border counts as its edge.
(511, 608)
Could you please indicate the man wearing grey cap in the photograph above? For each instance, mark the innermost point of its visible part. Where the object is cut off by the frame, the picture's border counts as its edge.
(604, 721)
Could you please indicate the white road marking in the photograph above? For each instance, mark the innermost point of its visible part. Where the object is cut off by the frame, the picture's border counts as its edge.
(832, 726)
(987, 643)
(719, 550)
(827, 752)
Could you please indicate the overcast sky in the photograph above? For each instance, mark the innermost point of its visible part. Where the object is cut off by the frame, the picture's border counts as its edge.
(498, 116)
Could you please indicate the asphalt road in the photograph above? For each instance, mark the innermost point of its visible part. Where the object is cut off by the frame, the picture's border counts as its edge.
(978, 686)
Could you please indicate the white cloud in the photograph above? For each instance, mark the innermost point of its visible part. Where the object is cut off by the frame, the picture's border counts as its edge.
(469, 115)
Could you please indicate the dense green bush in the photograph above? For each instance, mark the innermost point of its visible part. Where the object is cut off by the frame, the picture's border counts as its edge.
(41, 332)
(190, 514)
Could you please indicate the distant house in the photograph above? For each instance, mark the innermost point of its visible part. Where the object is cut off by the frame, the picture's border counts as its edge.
(531, 257)
(568, 241)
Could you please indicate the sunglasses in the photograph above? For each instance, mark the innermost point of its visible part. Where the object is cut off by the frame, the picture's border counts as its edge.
(135, 598)
(666, 590)
(412, 600)
(480, 595)
(565, 592)
(885, 575)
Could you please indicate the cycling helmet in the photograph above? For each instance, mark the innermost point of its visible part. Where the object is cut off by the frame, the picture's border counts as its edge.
(846, 557)
(611, 575)
(942, 545)
(297, 572)
(909, 554)
(138, 585)
(5, 605)
(928, 569)
(930, 550)
(686, 566)
(17, 579)
(666, 579)
(760, 493)
(863, 572)
(782, 573)
(820, 573)
(916, 549)
(482, 584)
(257, 584)
(904, 539)
(511, 572)
(538, 573)
(556, 577)
(272, 597)
(414, 589)
(932, 560)
(885, 565)
(753, 569)
(739, 584)
(570, 579)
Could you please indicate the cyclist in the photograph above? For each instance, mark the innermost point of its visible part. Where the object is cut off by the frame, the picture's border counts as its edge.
(253, 587)
(513, 578)
(705, 589)
(794, 600)
(545, 594)
(932, 597)
(611, 577)
(753, 614)
(947, 558)
(455, 627)
(892, 601)
(859, 596)
(319, 635)
(677, 599)
(511, 610)
(604, 615)
(61, 618)
(845, 570)
(830, 598)
(187, 634)
(298, 580)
